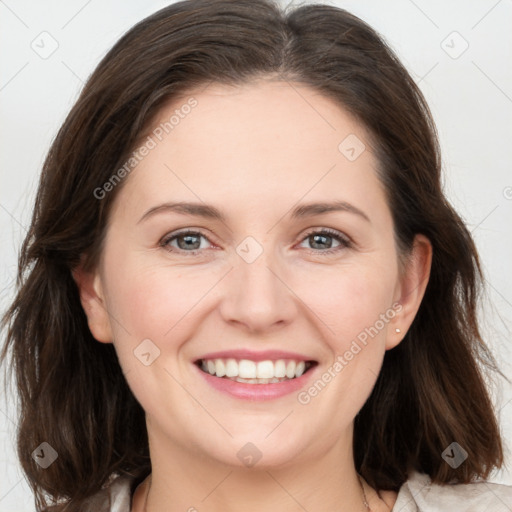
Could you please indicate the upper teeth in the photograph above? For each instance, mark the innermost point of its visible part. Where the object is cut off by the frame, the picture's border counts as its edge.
(247, 369)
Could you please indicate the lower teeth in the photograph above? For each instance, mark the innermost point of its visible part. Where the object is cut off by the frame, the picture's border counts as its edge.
(274, 380)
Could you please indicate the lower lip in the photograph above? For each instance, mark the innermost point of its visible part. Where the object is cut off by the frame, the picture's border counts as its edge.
(256, 392)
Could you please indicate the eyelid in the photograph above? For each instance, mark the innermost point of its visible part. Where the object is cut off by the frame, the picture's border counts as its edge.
(185, 231)
(345, 241)
(328, 231)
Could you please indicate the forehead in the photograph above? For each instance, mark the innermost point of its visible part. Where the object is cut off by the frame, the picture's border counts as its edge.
(266, 140)
(268, 110)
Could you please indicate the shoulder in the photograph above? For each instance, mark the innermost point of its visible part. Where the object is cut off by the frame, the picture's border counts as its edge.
(115, 497)
(419, 494)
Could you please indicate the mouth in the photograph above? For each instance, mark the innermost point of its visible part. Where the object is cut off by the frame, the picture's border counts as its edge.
(247, 371)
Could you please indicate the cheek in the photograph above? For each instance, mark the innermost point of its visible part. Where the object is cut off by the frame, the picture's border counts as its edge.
(155, 302)
(158, 304)
(347, 298)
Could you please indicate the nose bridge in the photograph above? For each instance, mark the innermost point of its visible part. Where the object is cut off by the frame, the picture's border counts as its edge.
(256, 294)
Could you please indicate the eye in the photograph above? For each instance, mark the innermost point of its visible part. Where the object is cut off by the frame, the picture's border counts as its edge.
(186, 241)
(322, 239)
(190, 241)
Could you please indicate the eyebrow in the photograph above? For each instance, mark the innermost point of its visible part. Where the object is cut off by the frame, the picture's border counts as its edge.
(210, 212)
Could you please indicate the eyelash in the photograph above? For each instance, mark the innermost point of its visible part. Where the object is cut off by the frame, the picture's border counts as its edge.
(344, 241)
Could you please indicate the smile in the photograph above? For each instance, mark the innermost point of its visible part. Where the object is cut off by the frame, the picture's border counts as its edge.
(255, 372)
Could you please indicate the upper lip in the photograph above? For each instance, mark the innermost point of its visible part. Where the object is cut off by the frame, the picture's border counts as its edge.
(272, 355)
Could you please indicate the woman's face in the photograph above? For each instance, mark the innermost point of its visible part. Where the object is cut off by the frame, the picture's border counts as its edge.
(257, 279)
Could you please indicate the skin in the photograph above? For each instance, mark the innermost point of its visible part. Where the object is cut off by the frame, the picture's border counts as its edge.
(254, 152)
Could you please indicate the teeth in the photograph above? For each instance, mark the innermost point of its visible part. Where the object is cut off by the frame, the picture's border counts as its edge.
(265, 369)
(280, 368)
(300, 368)
(290, 369)
(231, 368)
(247, 369)
(261, 372)
(220, 368)
(259, 381)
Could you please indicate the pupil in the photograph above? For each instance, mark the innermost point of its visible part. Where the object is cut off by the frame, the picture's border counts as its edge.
(187, 243)
(316, 237)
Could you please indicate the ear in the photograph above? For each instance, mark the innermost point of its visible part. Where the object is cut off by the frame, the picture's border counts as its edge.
(93, 303)
(411, 289)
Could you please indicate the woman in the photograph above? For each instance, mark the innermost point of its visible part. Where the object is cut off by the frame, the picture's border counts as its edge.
(243, 287)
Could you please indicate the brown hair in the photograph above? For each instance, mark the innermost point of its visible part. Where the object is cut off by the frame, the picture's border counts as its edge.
(431, 389)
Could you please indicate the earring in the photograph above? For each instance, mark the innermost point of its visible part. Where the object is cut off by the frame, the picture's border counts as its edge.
(397, 330)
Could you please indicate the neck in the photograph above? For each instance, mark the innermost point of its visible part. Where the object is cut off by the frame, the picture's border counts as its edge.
(182, 480)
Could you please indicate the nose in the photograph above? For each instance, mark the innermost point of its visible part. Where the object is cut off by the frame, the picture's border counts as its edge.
(256, 295)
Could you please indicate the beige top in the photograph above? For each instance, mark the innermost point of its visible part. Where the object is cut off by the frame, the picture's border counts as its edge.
(417, 494)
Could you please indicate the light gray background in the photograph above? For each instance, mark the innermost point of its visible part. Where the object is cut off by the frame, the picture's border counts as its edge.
(470, 95)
